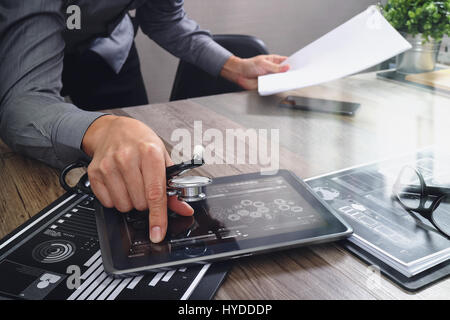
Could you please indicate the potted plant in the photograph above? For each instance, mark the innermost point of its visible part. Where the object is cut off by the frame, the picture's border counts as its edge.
(423, 23)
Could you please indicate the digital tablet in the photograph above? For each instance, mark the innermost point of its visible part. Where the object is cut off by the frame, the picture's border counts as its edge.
(241, 215)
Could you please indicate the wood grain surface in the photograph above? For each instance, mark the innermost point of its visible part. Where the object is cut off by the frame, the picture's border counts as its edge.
(393, 119)
(436, 79)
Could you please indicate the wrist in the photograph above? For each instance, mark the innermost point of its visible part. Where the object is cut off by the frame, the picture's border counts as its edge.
(96, 130)
(232, 68)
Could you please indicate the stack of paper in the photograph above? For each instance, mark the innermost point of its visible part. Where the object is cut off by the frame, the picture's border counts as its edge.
(360, 43)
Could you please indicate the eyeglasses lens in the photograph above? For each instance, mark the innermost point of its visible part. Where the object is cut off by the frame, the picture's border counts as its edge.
(441, 216)
(409, 188)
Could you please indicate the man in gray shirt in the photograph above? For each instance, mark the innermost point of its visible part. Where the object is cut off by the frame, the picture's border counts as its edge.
(128, 159)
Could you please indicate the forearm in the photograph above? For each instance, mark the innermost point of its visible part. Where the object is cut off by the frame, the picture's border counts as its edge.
(96, 131)
(42, 128)
(34, 119)
(232, 69)
(165, 22)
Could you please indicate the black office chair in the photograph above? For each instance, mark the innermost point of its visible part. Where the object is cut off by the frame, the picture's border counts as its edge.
(191, 82)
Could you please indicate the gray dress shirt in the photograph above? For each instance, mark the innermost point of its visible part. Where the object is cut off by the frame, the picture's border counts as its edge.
(34, 118)
(115, 48)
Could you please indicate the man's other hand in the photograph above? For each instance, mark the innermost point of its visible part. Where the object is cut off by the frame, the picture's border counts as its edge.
(245, 72)
(128, 170)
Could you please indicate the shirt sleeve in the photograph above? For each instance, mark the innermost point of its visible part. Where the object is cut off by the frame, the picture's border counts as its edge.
(34, 119)
(166, 22)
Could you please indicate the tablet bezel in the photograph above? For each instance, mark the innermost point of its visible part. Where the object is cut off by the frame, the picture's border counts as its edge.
(121, 265)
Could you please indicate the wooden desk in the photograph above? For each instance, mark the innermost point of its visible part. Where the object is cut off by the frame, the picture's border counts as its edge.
(393, 119)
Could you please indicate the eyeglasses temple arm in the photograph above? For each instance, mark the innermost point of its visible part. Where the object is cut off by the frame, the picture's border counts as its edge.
(437, 191)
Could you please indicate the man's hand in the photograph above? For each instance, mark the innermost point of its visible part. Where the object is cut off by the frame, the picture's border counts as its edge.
(245, 72)
(128, 170)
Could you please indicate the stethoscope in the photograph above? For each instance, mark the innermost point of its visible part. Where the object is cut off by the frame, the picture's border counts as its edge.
(186, 188)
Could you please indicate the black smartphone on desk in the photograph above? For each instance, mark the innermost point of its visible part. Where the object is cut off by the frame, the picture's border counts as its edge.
(320, 105)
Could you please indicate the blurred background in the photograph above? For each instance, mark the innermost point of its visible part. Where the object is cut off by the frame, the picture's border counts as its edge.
(284, 25)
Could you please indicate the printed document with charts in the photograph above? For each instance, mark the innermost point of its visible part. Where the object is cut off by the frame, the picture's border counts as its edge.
(360, 43)
(363, 195)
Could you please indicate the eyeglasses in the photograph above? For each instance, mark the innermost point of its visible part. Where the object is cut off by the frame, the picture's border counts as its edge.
(413, 194)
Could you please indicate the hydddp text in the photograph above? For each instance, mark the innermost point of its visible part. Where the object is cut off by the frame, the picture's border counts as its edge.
(225, 309)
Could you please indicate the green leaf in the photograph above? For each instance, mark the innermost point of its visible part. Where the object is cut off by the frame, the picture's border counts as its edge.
(431, 18)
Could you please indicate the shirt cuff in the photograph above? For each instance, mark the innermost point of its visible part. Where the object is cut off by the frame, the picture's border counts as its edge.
(68, 133)
(213, 58)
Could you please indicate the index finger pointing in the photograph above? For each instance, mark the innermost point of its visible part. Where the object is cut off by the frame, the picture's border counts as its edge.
(154, 173)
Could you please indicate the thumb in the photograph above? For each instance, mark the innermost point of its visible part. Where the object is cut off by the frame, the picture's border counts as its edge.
(247, 83)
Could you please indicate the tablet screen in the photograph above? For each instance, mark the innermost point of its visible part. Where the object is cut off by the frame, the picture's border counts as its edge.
(242, 213)
(252, 209)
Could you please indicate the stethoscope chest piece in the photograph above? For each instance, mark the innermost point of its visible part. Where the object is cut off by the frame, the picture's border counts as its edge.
(188, 188)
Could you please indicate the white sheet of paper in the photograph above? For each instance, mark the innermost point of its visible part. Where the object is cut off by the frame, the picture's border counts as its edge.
(360, 43)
